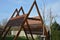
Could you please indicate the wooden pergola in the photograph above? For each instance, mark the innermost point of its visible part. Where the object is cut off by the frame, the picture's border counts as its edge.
(23, 22)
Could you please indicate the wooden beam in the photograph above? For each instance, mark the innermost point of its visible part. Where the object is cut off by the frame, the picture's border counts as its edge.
(29, 30)
(38, 12)
(34, 19)
(8, 23)
(4, 35)
(21, 9)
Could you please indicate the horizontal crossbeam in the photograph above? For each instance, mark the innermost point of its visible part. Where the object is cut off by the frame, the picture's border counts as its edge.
(34, 19)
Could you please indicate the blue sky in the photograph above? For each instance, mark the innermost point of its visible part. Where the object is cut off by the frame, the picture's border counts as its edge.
(7, 7)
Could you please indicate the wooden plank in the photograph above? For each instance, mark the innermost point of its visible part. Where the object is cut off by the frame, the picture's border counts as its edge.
(35, 32)
(34, 19)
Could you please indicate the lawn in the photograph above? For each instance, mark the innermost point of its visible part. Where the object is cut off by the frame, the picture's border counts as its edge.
(19, 38)
(11, 38)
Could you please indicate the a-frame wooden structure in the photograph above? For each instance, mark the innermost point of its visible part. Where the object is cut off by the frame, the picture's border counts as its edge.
(19, 20)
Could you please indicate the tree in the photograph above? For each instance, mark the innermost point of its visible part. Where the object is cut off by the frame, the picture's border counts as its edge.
(55, 31)
(55, 26)
(4, 22)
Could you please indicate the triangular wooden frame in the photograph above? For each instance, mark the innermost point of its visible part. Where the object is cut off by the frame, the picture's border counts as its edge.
(4, 33)
(34, 3)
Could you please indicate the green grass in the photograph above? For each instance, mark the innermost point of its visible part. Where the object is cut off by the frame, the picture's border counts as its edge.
(19, 38)
(12, 37)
